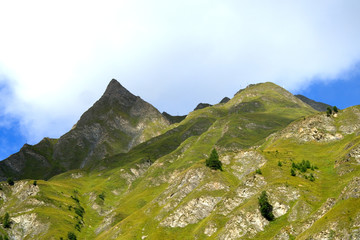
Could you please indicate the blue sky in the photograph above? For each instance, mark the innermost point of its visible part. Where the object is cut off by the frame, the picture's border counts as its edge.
(57, 57)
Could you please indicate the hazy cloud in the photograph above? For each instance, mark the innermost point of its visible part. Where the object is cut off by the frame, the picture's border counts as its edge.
(56, 58)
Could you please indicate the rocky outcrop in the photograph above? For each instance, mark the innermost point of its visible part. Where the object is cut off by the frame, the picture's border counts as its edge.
(245, 223)
(202, 105)
(191, 212)
(27, 226)
(225, 100)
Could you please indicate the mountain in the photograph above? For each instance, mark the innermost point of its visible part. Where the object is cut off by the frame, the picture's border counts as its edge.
(162, 189)
(117, 122)
(319, 106)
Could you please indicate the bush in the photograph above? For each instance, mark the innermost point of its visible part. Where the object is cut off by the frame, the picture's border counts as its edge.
(35, 183)
(265, 207)
(79, 211)
(213, 161)
(328, 111)
(6, 221)
(71, 236)
(10, 182)
(292, 172)
(335, 109)
(279, 164)
(258, 171)
(102, 196)
(311, 177)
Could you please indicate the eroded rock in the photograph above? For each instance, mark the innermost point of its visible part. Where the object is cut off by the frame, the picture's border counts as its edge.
(191, 212)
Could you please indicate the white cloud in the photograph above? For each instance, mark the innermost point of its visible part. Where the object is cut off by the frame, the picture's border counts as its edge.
(58, 57)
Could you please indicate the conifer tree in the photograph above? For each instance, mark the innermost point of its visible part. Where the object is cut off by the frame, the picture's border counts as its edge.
(213, 161)
(6, 221)
(265, 207)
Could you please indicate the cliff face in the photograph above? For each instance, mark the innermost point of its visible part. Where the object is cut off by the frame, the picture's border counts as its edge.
(117, 122)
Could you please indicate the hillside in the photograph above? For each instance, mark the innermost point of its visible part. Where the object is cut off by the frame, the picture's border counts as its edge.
(161, 188)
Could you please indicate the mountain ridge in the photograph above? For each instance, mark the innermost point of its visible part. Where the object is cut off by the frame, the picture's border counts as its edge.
(162, 189)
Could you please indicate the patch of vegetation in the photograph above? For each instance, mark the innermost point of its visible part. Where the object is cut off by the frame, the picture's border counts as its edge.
(265, 207)
(213, 161)
(328, 111)
(6, 221)
(71, 236)
(279, 164)
(10, 182)
(102, 196)
(258, 171)
(35, 183)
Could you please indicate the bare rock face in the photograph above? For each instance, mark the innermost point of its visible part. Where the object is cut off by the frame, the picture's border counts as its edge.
(249, 188)
(246, 223)
(27, 226)
(180, 187)
(191, 212)
(246, 162)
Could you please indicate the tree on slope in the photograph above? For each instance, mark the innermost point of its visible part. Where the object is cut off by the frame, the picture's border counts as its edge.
(265, 207)
(213, 161)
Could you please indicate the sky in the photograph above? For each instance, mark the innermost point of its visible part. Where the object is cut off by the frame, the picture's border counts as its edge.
(57, 57)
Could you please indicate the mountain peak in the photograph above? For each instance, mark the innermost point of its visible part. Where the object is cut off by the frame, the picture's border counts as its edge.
(115, 88)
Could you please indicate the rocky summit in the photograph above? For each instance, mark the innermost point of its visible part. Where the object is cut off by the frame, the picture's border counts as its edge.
(262, 165)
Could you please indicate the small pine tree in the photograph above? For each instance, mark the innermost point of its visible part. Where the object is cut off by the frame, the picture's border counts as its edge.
(10, 182)
(292, 172)
(335, 109)
(71, 236)
(329, 111)
(311, 177)
(213, 161)
(265, 207)
(6, 221)
(279, 164)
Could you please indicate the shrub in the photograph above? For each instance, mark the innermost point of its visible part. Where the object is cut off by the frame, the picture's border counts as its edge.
(311, 177)
(71, 236)
(258, 171)
(35, 183)
(213, 161)
(102, 196)
(328, 111)
(6, 221)
(292, 172)
(335, 109)
(10, 182)
(75, 199)
(79, 211)
(279, 164)
(265, 207)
